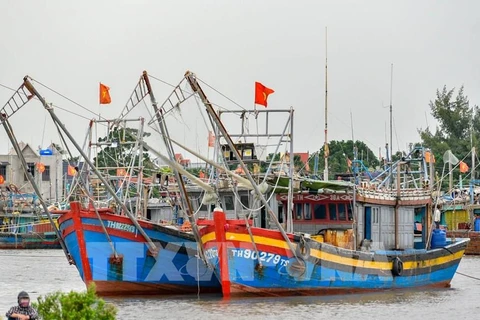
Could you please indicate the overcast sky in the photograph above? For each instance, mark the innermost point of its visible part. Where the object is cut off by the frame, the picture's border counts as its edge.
(71, 46)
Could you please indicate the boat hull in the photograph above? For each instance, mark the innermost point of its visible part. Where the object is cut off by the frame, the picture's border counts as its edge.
(29, 241)
(319, 268)
(131, 269)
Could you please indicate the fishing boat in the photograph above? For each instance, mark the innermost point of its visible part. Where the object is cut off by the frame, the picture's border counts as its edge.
(117, 237)
(22, 224)
(363, 240)
(27, 231)
(460, 214)
(377, 248)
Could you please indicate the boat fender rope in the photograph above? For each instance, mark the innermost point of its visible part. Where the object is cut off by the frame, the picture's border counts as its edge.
(303, 249)
(397, 266)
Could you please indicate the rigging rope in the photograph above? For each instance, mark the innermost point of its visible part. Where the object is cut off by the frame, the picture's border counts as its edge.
(231, 100)
(468, 276)
(65, 97)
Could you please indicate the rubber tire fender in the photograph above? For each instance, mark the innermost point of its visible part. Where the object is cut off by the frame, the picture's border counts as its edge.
(397, 266)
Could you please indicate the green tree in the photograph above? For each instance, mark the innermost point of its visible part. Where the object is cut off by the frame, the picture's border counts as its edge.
(458, 125)
(74, 306)
(339, 154)
(297, 162)
(119, 152)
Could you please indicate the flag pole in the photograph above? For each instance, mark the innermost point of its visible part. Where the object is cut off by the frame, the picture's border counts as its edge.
(99, 104)
(325, 147)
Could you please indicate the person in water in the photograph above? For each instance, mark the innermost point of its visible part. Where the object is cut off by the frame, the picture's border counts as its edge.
(23, 311)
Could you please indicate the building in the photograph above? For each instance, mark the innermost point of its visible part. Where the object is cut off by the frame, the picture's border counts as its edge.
(184, 162)
(45, 166)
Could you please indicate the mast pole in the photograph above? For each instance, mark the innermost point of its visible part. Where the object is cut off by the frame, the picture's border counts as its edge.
(152, 247)
(213, 114)
(185, 201)
(325, 147)
(391, 124)
(290, 182)
(391, 113)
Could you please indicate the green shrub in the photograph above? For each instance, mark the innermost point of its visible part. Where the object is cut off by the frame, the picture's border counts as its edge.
(74, 306)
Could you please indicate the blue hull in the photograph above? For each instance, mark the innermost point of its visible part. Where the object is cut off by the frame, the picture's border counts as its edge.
(282, 276)
(316, 268)
(29, 241)
(175, 270)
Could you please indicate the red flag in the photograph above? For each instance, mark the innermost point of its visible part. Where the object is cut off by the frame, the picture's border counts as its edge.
(71, 171)
(104, 94)
(211, 139)
(261, 94)
(463, 167)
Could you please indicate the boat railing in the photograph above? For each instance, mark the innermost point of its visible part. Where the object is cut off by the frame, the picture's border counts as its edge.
(404, 194)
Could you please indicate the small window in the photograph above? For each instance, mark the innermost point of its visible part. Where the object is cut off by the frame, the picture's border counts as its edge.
(46, 174)
(308, 211)
(332, 208)
(298, 210)
(280, 213)
(320, 211)
(342, 214)
(3, 171)
(229, 205)
(375, 215)
(244, 201)
(350, 212)
(204, 208)
(31, 168)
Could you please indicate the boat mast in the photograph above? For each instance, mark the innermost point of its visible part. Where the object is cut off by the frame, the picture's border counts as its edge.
(186, 204)
(391, 124)
(215, 118)
(28, 85)
(325, 146)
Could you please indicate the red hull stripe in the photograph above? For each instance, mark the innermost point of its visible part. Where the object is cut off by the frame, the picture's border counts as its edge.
(112, 232)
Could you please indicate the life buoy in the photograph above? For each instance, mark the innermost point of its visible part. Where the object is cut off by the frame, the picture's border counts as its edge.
(303, 250)
(397, 266)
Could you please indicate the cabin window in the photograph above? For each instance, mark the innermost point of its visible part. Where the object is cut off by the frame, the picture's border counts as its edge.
(244, 201)
(31, 168)
(204, 208)
(375, 215)
(229, 205)
(3, 171)
(350, 212)
(332, 208)
(195, 203)
(280, 213)
(308, 211)
(320, 211)
(46, 174)
(342, 214)
(298, 210)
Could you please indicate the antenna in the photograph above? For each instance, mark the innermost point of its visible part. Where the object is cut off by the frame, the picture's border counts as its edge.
(351, 124)
(391, 117)
(325, 149)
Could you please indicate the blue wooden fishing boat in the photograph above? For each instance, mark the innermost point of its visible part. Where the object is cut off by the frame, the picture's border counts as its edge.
(123, 250)
(361, 234)
(378, 250)
(108, 250)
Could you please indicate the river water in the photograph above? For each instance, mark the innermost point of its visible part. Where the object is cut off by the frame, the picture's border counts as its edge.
(40, 272)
